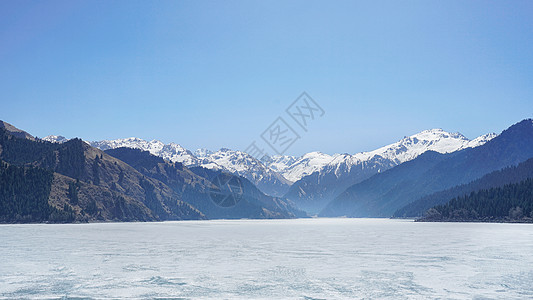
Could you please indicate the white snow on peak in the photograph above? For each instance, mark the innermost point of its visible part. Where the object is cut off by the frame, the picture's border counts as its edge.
(284, 169)
(245, 165)
(172, 152)
(153, 146)
(202, 152)
(304, 165)
(480, 140)
(281, 163)
(412, 146)
(236, 162)
(383, 158)
(55, 139)
(176, 153)
(233, 161)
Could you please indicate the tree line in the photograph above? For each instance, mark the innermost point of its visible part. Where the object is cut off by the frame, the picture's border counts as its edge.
(511, 203)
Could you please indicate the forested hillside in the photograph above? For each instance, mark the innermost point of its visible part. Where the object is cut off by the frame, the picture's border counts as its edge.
(510, 203)
(24, 193)
(74, 182)
(383, 194)
(513, 174)
(194, 186)
(84, 184)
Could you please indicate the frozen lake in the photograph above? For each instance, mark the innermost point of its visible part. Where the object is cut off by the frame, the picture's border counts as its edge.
(305, 258)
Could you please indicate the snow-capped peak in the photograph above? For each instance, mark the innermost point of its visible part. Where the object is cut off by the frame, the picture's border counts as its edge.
(236, 162)
(305, 165)
(176, 153)
(280, 163)
(202, 152)
(153, 146)
(245, 165)
(55, 139)
(280, 170)
(172, 152)
(412, 146)
(480, 140)
(386, 157)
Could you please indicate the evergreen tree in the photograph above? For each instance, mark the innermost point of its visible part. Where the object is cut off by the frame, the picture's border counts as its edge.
(73, 192)
(24, 193)
(512, 203)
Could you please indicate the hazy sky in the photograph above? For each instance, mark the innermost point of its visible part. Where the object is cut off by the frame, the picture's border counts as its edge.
(218, 73)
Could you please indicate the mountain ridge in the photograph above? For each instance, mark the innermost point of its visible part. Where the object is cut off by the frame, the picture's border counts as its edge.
(277, 174)
(496, 179)
(384, 193)
(90, 185)
(314, 191)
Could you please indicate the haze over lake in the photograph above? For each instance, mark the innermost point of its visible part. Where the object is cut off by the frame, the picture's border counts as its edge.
(301, 258)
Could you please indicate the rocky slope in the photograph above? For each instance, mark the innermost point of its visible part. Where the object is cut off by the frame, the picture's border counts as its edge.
(91, 185)
(194, 186)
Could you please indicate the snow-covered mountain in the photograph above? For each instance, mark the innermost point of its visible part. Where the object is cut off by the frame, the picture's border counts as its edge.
(480, 140)
(315, 175)
(202, 153)
(55, 139)
(410, 147)
(153, 146)
(279, 163)
(240, 163)
(172, 152)
(313, 191)
(293, 169)
(235, 162)
(176, 153)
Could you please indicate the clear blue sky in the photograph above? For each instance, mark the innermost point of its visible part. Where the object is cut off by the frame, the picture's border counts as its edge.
(217, 73)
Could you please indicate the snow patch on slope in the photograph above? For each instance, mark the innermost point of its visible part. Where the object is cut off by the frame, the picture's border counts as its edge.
(55, 139)
(305, 165)
(285, 169)
(388, 156)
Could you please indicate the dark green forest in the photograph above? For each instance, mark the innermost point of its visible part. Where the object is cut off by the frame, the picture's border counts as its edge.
(67, 158)
(24, 193)
(508, 175)
(510, 203)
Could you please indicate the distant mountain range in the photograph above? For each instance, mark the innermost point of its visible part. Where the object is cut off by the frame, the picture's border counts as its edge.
(194, 184)
(317, 177)
(404, 179)
(384, 193)
(314, 191)
(75, 182)
(235, 162)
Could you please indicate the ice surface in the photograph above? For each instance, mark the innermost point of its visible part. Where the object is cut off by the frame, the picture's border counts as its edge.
(305, 258)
